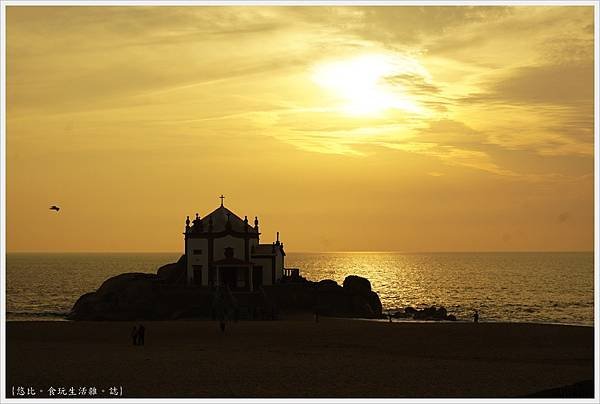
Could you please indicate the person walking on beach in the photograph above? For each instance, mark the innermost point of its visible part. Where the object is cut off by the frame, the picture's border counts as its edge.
(141, 331)
(476, 316)
(316, 314)
(134, 335)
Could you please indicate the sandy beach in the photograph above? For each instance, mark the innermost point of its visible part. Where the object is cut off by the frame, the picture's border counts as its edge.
(300, 358)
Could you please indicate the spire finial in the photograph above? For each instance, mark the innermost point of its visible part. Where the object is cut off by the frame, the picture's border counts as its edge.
(222, 197)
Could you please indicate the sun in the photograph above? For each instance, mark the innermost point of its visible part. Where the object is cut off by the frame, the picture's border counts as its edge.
(361, 83)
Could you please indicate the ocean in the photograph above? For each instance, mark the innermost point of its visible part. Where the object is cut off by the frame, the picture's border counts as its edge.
(505, 287)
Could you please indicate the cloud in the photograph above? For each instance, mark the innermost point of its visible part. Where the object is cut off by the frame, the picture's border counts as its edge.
(417, 84)
(247, 69)
(405, 26)
(451, 132)
(546, 84)
(107, 54)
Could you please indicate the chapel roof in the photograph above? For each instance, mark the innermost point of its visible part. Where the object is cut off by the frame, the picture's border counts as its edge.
(268, 249)
(263, 249)
(220, 217)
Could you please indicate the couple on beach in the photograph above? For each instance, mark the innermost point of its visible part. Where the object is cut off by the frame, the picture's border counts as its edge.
(137, 334)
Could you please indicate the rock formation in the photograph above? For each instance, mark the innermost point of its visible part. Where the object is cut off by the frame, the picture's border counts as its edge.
(165, 295)
(429, 313)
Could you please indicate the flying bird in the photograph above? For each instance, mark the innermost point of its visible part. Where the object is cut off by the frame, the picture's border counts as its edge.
(54, 207)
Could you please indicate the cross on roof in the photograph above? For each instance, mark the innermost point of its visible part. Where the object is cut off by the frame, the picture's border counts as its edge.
(222, 197)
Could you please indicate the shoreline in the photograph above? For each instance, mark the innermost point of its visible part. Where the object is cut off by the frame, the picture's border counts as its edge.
(47, 319)
(410, 321)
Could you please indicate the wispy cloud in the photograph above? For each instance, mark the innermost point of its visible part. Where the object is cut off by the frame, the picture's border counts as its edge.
(478, 89)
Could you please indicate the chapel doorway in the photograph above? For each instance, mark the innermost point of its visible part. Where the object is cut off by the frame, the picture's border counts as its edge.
(228, 277)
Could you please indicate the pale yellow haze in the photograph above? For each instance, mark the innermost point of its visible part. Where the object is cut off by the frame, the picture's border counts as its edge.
(345, 128)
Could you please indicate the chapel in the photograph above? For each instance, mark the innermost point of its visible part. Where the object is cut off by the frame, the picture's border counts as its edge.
(224, 250)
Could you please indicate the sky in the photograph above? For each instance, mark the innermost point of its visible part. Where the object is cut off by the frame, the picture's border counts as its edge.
(376, 128)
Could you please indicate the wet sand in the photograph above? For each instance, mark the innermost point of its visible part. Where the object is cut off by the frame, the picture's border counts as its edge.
(300, 358)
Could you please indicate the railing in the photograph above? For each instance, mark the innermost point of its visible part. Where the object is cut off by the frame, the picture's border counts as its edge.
(291, 272)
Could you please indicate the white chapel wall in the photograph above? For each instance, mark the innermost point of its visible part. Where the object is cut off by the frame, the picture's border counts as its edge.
(197, 253)
(278, 265)
(266, 264)
(253, 242)
(228, 241)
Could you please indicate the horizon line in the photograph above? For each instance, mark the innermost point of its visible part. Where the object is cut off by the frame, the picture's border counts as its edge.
(316, 252)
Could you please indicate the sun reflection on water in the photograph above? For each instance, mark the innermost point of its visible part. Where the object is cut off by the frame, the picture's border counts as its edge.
(549, 287)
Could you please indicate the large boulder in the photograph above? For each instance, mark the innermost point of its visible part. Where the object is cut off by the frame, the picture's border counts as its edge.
(375, 303)
(410, 310)
(333, 301)
(174, 273)
(328, 285)
(361, 306)
(355, 298)
(84, 308)
(357, 284)
(126, 283)
(123, 297)
(429, 313)
(326, 297)
(132, 296)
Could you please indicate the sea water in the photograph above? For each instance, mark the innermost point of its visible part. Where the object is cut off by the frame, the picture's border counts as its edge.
(514, 287)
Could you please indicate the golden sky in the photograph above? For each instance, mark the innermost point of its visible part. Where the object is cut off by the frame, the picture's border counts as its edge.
(344, 128)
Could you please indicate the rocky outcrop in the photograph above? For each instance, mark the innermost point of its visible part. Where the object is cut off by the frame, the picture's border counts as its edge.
(429, 313)
(173, 273)
(126, 296)
(165, 295)
(357, 284)
(354, 299)
(133, 296)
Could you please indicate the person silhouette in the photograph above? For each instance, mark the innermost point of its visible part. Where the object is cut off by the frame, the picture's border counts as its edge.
(141, 331)
(476, 316)
(134, 335)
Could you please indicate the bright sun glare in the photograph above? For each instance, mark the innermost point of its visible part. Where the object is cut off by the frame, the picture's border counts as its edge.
(361, 83)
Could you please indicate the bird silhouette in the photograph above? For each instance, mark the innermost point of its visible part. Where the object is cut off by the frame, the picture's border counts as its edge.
(54, 207)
